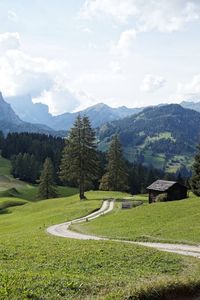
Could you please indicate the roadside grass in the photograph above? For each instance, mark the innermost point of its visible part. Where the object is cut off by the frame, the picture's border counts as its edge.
(35, 265)
(175, 222)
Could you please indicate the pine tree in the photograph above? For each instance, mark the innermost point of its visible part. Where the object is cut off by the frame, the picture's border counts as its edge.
(195, 180)
(47, 188)
(116, 177)
(79, 161)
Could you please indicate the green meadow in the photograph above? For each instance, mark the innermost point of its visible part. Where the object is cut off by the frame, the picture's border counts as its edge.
(36, 265)
(175, 222)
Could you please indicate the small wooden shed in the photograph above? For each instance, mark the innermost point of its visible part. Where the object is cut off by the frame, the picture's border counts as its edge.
(172, 189)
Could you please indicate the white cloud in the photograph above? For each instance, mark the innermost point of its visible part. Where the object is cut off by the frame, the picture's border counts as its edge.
(167, 16)
(12, 16)
(163, 15)
(190, 90)
(125, 42)
(9, 41)
(115, 67)
(87, 30)
(59, 99)
(152, 83)
(43, 79)
(120, 10)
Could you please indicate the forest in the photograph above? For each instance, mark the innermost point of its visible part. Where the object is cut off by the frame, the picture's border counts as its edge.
(28, 151)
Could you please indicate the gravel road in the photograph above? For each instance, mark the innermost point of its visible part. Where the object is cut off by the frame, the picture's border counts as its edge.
(63, 230)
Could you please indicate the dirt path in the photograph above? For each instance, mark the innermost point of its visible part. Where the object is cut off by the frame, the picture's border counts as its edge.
(63, 230)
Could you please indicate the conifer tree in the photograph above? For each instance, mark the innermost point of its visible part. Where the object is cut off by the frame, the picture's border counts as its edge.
(116, 177)
(195, 180)
(79, 161)
(47, 188)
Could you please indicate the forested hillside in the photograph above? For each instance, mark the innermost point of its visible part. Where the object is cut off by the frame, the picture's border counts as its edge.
(165, 136)
(28, 151)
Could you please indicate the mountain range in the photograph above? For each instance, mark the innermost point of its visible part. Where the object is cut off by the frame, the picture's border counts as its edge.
(164, 136)
(39, 113)
(10, 121)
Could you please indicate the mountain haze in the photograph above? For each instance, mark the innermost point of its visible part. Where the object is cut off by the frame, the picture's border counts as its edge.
(10, 122)
(191, 105)
(39, 113)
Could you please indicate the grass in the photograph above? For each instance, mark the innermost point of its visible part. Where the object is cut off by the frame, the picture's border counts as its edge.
(35, 265)
(176, 222)
(5, 203)
(5, 166)
(38, 266)
(11, 187)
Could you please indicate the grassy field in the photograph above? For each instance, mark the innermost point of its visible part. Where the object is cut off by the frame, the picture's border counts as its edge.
(35, 265)
(11, 187)
(176, 222)
(38, 266)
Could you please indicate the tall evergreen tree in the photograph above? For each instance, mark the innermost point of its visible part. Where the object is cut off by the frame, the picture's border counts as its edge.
(80, 160)
(195, 180)
(116, 177)
(47, 188)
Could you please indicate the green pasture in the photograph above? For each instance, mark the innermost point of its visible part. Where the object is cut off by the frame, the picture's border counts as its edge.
(175, 222)
(36, 265)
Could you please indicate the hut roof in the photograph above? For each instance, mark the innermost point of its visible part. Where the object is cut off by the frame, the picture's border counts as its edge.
(161, 185)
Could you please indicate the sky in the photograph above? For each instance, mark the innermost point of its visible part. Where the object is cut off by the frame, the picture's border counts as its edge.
(71, 54)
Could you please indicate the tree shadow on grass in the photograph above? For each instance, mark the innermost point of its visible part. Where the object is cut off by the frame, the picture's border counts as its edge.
(4, 211)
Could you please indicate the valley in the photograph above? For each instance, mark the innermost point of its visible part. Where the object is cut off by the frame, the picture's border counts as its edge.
(164, 137)
(38, 265)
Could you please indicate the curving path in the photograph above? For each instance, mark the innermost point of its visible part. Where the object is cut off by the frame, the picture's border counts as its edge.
(63, 230)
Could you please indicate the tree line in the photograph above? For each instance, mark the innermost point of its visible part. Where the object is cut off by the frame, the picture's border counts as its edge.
(74, 161)
(82, 165)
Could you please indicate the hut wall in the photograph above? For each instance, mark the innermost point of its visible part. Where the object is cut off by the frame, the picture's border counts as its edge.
(153, 194)
(177, 192)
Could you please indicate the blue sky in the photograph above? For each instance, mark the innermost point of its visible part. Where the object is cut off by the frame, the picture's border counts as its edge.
(72, 54)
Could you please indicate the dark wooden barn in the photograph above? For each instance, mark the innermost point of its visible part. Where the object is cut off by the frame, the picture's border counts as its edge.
(171, 189)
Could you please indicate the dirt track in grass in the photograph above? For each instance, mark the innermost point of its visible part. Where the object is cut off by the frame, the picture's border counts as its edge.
(63, 230)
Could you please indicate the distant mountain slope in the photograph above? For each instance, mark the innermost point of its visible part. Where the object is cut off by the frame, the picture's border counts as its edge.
(10, 122)
(98, 115)
(39, 113)
(191, 105)
(28, 111)
(164, 136)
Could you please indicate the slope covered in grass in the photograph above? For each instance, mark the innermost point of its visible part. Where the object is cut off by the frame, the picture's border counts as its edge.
(177, 221)
(11, 187)
(35, 265)
(6, 179)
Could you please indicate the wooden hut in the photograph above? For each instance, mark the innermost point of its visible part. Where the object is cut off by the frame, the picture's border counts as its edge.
(171, 189)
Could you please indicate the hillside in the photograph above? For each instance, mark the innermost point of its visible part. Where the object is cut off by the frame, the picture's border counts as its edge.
(40, 266)
(13, 189)
(10, 122)
(164, 136)
(138, 224)
(39, 113)
(28, 111)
